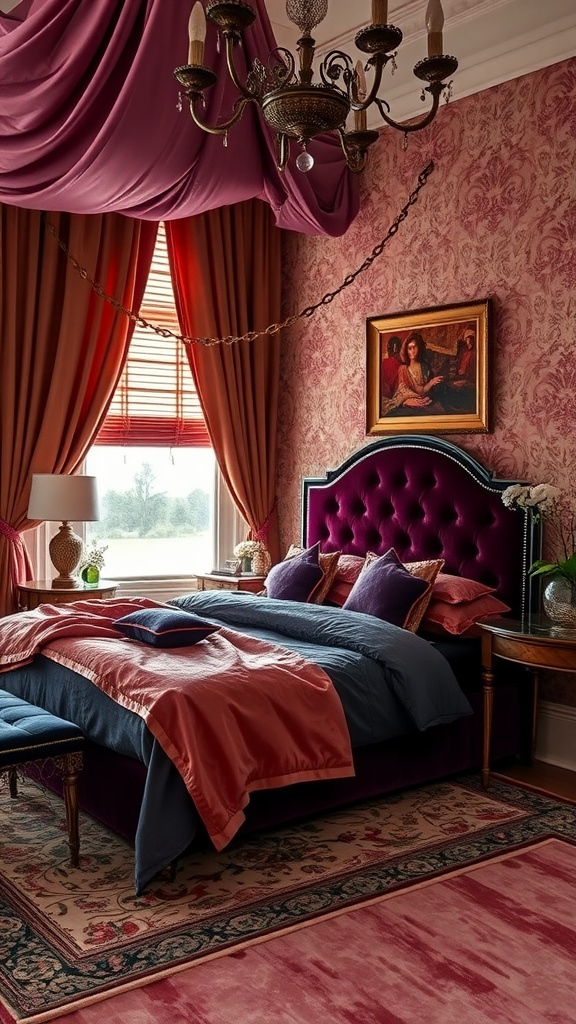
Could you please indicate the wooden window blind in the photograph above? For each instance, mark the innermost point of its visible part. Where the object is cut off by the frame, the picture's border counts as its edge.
(155, 403)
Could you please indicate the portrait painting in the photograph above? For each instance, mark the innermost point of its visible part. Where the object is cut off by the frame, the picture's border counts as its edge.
(427, 371)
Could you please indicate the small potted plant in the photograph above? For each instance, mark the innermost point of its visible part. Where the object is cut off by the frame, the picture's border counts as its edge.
(91, 565)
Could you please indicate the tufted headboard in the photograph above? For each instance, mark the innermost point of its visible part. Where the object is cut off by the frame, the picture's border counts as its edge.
(426, 498)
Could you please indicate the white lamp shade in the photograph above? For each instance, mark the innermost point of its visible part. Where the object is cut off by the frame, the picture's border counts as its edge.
(58, 498)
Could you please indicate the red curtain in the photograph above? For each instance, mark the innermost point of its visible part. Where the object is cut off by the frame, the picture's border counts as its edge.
(226, 274)
(62, 349)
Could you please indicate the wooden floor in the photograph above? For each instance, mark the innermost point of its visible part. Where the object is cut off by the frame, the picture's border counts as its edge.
(544, 776)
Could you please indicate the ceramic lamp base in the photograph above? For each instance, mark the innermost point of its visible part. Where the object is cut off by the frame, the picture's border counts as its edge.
(65, 553)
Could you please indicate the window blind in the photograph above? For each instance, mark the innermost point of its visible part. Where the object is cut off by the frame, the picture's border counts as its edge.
(155, 403)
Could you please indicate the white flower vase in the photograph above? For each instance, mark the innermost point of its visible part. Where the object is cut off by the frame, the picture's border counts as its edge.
(559, 600)
(246, 564)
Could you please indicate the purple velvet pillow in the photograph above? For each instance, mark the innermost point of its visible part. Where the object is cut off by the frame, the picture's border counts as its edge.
(296, 579)
(386, 590)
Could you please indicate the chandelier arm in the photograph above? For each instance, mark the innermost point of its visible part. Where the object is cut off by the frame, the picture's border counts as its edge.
(356, 156)
(336, 63)
(307, 312)
(220, 129)
(424, 121)
(243, 88)
(283, 150)
(378, 63)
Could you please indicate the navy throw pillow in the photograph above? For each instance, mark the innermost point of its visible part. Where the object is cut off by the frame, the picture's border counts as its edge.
(165, 627)
(297, 578)
(386, 590)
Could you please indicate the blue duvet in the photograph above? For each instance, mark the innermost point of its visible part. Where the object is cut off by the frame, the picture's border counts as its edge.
(390, 683)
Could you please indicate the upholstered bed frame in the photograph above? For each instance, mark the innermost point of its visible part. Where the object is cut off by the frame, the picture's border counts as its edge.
(427, 499)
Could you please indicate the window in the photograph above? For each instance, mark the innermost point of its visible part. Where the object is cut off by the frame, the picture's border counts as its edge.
(163, 509)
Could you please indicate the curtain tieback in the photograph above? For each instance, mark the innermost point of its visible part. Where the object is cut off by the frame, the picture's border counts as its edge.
(7, 531)
(261, 533)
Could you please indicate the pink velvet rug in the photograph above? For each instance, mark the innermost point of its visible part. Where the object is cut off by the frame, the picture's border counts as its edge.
(490, 944)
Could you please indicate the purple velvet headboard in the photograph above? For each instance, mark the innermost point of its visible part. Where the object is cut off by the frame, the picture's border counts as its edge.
(426, 498)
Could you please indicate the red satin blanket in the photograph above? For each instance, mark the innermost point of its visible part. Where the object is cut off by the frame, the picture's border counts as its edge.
(234, 713)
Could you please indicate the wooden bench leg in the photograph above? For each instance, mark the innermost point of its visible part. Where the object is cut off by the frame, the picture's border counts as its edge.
(70, 765)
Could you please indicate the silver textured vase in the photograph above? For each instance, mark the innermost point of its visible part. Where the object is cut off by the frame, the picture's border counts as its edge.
(559, 600)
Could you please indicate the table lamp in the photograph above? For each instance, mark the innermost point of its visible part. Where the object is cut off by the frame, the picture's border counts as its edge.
(58, 498)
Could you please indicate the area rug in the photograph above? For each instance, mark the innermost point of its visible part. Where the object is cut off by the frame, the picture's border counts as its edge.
(69, 936)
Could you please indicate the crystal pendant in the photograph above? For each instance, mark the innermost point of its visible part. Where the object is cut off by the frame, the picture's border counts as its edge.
(304, 162)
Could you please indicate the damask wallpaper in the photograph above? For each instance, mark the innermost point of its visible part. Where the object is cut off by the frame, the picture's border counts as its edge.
(497, 219)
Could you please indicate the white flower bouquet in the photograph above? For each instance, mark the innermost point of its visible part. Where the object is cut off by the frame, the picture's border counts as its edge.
(93, 557)
(248, 548)
(546, 502)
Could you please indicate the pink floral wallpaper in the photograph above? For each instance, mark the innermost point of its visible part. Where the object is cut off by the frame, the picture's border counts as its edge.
(497, 219)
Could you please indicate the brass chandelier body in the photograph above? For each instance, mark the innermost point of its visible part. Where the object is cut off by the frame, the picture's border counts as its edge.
(295, 106)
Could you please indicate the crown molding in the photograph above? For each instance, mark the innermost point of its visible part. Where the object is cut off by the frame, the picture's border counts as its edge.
(494, 41)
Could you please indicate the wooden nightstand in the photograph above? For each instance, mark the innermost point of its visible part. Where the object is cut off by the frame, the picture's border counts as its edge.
(533, 642)
(215, 581)
(36, 592)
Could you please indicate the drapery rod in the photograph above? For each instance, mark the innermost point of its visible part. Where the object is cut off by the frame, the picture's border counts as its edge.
(308, 311)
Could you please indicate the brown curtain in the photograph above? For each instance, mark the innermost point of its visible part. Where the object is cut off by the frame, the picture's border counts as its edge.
(225, 267)
(62, 349)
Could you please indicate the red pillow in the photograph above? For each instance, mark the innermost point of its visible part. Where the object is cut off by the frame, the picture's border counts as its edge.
(455, 589)
(457, 619)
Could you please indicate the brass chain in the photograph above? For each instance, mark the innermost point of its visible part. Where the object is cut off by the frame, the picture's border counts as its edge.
(308, 311)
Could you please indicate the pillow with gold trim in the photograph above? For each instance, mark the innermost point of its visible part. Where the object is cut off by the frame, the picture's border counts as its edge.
(428, 570)
(328, 562)
(298, 578)
(388, 591)
(348, 569)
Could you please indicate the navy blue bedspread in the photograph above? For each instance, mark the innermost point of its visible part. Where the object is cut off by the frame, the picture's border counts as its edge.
(380, 660)
(390, 683)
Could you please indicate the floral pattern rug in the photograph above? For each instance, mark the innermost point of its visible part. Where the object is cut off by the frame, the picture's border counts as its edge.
(67, 935)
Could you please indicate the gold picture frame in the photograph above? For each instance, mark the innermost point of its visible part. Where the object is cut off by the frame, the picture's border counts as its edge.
(427, 370)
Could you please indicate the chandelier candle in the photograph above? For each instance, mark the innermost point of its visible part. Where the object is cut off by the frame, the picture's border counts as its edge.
(434, 25)
(196, 34)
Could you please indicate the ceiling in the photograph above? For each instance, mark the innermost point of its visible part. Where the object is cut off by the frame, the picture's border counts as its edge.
(494, 40)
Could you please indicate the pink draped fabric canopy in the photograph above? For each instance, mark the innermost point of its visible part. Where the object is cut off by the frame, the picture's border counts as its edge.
(89, 121)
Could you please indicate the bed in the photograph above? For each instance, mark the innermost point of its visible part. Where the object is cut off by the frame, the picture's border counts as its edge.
(430, 502)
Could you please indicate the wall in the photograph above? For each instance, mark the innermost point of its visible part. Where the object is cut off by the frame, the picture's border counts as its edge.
(497, 219)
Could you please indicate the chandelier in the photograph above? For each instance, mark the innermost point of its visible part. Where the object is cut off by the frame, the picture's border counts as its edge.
(295, 106)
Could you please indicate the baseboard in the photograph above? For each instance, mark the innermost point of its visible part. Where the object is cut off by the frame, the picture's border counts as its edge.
(556, 735)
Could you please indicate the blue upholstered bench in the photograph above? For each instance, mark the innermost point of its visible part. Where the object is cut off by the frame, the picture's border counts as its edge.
(28, 734)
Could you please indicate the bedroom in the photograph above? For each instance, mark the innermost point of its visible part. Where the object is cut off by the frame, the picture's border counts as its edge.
(518, 136)
(502, 187)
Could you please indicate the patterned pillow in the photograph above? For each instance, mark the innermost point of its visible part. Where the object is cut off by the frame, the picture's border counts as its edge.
(328, 563)
(297, 578)
(387, 590)
(425, 570)
(348, 569)
(165, 627)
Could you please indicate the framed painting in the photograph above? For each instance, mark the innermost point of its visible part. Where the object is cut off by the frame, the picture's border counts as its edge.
(428, 370)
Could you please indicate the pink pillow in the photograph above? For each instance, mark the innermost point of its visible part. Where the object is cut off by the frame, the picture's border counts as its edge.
(455, 589)
(457, 619)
